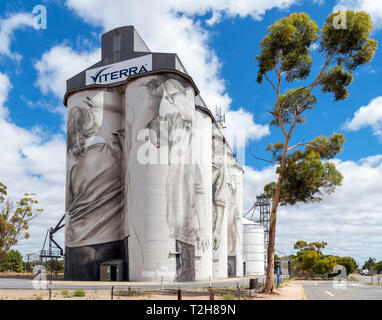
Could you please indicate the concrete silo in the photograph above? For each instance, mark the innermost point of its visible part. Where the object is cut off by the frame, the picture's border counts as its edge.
(139, 178)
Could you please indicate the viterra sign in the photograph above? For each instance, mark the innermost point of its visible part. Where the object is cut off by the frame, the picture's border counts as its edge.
(118, 71)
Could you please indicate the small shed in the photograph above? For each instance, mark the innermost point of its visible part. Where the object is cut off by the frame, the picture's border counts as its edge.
(111, 270)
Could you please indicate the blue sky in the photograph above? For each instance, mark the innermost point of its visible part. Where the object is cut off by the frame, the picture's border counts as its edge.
(217, 41)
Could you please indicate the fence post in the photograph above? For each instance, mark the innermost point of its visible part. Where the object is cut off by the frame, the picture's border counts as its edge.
(238, 290)
(112, 292)
(50, 289)
(179, 294)
(161, 283)
(212, 293)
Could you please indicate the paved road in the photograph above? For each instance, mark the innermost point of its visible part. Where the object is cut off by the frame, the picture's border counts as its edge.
(324, 290)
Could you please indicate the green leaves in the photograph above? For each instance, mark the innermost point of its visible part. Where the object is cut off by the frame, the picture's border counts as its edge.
(335, 80)
(327, 148)
(349, 48)
(291, 105)
(306, 176)
(13, 261)
(305, 172)
(288, 44)
(286, 50)
(351, 44)
(3, 192)
(14, 219)
(312, 262)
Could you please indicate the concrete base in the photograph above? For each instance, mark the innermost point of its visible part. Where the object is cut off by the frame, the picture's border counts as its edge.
(83, 263)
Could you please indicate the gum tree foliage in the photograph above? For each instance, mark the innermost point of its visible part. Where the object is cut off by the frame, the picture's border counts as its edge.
(371, 264)
(305, 171)
(378, 267)
(349, 263)
(13, 261)
(15, 217)
(312, 262)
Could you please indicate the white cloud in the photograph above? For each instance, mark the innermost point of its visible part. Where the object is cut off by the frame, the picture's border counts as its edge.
(350, 220)
(370, 115)
(254, 182)
(373, 7)
(31, 162)
(59, 64)
(167, 31)
(5, 86)
(173, 27)
(230, 8)
(241, 127)
(7, 28)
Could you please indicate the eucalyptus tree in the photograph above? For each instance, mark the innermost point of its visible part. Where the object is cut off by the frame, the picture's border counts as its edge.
(15, 217)
(304, 170)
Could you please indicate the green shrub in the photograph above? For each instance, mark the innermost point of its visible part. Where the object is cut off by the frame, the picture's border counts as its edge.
(79, 293)
(65, 293)
(228, 296)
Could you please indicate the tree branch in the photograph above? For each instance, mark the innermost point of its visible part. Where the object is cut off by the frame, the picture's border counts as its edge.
(273, 86)
(250, 152)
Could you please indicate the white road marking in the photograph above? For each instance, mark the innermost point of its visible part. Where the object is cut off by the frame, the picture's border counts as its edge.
(315, 284)
(329, 293)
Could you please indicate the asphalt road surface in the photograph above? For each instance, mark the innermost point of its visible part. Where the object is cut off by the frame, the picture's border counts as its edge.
(324, 290)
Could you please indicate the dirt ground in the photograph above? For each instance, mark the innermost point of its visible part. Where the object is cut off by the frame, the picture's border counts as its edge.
(288, 291)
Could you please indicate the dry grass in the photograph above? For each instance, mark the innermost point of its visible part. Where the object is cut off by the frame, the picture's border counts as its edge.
(288, 291)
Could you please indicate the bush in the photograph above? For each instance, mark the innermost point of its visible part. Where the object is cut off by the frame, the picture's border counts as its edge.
(228, 296)
(65, 293)
(13, 261)
(79, 293)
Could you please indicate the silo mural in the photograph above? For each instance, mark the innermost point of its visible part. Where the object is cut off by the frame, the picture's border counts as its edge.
(94, 200)
(220, 197)
(166, 184)
(140, 190)
(234, 217)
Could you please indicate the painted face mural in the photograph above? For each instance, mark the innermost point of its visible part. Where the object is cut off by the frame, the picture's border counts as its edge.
(186, 201)
(94, 186)
(136, 191)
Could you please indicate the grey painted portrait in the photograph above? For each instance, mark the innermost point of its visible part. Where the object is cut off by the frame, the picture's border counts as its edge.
(219, 188)
(94, 199)
(185, 190)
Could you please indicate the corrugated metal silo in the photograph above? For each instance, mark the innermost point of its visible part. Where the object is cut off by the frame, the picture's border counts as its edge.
(253, 247)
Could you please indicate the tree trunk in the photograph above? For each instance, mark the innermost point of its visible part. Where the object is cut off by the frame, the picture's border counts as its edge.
(272, 237)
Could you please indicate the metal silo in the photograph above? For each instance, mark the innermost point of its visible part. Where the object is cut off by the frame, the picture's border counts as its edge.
(253, 247)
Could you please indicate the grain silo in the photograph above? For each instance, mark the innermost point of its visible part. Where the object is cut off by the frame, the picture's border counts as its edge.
(253, 247)
(139, 171)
